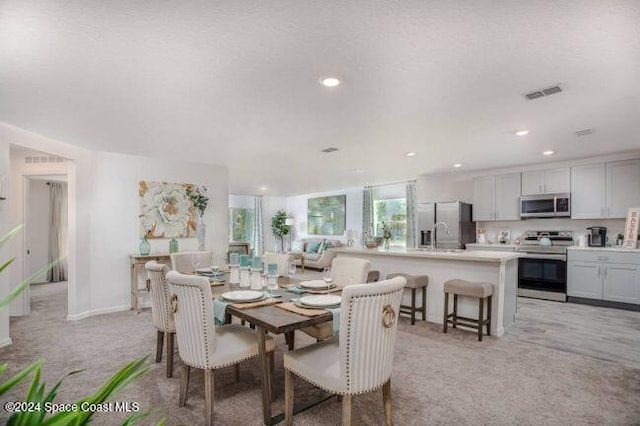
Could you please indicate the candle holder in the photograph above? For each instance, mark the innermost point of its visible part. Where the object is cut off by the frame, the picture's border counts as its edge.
(272, 284)
(234, 274)
(256, 279)
(244, 277)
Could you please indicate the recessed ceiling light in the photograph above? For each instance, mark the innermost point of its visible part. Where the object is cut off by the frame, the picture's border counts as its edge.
(547, 152)
(330, 81)
(457, 165)
(263, 188)
(522, 133)
(411, 154)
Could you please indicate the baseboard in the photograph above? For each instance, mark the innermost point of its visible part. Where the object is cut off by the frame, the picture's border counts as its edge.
(5, 342)
(94, 312)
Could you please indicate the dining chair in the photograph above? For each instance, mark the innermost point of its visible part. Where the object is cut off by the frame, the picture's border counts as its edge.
(359, 361)
(183, 261)
(281, 259)
(344, 271)
(160, 312)
(200, 343)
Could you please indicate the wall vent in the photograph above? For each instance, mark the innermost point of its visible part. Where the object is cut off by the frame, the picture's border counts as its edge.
(543, 92)
(40, 159)
(584, 132)
(330, 150)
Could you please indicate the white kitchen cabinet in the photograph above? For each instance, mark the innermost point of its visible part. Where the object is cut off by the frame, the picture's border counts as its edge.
(623, 187)
(621, 283)
(546, 181)
(588, 191)
(604, 275)
(496, 197)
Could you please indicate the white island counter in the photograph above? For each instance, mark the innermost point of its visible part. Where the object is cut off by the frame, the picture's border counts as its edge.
(498, 268)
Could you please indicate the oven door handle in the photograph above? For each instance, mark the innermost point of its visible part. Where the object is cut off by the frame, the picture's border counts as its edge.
(544, 256)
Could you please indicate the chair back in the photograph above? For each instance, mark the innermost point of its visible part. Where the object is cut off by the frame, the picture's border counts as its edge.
(159, 288)
(281, 259)
(192, 307)
(350, 270)
(368, 322)
(183, 262)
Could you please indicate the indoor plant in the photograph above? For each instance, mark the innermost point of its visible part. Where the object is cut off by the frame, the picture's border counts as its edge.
(279, 228)
(200, 200)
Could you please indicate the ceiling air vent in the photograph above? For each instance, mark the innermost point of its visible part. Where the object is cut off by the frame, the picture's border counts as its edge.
(330, 150)
(584, 132)
(35, 159)
(543, 92)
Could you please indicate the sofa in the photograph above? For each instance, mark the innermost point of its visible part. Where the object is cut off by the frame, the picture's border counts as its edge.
(317, 252)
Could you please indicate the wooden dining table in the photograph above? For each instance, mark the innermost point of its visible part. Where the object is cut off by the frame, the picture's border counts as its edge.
(276, 321)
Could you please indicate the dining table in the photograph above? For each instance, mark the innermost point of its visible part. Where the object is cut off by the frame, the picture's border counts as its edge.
(275, 320)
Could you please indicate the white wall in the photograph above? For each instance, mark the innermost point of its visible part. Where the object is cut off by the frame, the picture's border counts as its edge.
(297, 208)
(5, 251)
(37, 227)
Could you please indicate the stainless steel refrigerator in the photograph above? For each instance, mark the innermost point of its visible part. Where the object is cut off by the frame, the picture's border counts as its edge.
(456, 214)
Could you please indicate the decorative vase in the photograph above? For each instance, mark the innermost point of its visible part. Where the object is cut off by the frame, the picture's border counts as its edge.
(201, 232)
(173, 246)
(145, 247)
(386, 243)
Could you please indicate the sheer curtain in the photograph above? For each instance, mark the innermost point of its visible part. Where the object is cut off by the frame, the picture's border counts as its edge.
(58, 231)
(367, 211)
(257, 241)
(410, 189)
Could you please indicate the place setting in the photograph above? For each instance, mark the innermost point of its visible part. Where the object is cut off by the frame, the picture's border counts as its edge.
(324, 286)
(241, 299)
(214, 273)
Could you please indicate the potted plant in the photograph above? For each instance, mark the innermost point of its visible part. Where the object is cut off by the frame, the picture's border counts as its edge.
(279, 227)
(200, 200)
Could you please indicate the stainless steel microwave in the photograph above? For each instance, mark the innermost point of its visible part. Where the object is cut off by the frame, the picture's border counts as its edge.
(545, 205)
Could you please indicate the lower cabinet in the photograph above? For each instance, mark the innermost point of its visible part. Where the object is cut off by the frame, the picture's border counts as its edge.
(603, 276)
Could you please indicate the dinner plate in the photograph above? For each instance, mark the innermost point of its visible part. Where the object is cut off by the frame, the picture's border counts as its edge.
(243, 296)
(204, 271)
(316, 285)
(322, 300)
(302, 305)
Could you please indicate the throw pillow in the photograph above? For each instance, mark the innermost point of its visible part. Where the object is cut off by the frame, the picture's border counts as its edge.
(321, 247)
(312, 246)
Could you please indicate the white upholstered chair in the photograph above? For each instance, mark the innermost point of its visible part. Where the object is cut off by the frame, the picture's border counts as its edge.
(344, 271)
(361, 359)
(183, 261)
(281, 259)
(200, 343)
(160, 311)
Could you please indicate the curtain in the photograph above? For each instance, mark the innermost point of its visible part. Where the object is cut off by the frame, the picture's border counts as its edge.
(410, 189)
(58, 231)
(257, 240)
(367, 212)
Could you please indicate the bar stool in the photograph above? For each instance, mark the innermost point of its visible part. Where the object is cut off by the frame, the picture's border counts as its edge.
(479, 290)
(414, 282)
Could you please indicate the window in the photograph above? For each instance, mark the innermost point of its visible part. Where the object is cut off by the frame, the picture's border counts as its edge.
(240, 224)
(394, 214)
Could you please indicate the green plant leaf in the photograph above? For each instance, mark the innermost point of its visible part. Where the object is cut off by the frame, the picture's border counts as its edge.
(10, 234)
(6, 264)
(17, 378)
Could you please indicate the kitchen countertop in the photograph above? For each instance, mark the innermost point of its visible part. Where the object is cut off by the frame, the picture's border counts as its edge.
(487, 245)
(463, 255)
(614, 249)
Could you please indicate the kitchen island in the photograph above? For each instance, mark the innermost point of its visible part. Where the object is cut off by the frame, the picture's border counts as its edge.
(498, 268)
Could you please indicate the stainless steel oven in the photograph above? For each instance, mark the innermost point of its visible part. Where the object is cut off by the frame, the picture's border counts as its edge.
(542, 268)
(545, 205)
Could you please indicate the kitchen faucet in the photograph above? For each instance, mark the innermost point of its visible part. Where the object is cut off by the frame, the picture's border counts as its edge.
(433, 233)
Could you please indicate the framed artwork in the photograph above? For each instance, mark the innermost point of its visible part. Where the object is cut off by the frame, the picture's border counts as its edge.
(327, 215)
(165, 210)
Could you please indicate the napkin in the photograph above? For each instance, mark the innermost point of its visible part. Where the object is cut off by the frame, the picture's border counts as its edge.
(219, 309)
(336, 320)
(296, 290)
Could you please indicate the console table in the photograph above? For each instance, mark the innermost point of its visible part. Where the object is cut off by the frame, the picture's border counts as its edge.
(137, 262)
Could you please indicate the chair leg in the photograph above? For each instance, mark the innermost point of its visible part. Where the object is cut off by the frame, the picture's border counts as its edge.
(170, 342)
(159, 344)
(424, 303)
(455, 311)
(413, 306)
(208, 396)
(237, 372)
(346, 410)
(480, 318)
(184, 385)
(489, 316)
(272, 367)
(386, 398)
(446, 313)
(288, 398)
(290, 338)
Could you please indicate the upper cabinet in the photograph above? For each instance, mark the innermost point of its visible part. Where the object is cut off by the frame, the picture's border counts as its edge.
(546, 181)
(605, 190)
(496, 197)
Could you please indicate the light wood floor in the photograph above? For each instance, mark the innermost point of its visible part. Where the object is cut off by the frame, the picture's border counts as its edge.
(603, 333)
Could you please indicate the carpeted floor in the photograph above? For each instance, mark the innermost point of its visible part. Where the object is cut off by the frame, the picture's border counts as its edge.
(437, 380)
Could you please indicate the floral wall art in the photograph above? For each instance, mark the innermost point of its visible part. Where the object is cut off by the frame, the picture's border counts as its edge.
(166, 210)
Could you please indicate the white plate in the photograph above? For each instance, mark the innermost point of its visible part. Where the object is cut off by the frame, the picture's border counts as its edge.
(321, 300)
(316, 285)
(243, 295)
(302, 305)
(204, 270)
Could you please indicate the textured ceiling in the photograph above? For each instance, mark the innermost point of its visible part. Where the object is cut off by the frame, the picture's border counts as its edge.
(236, 83)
